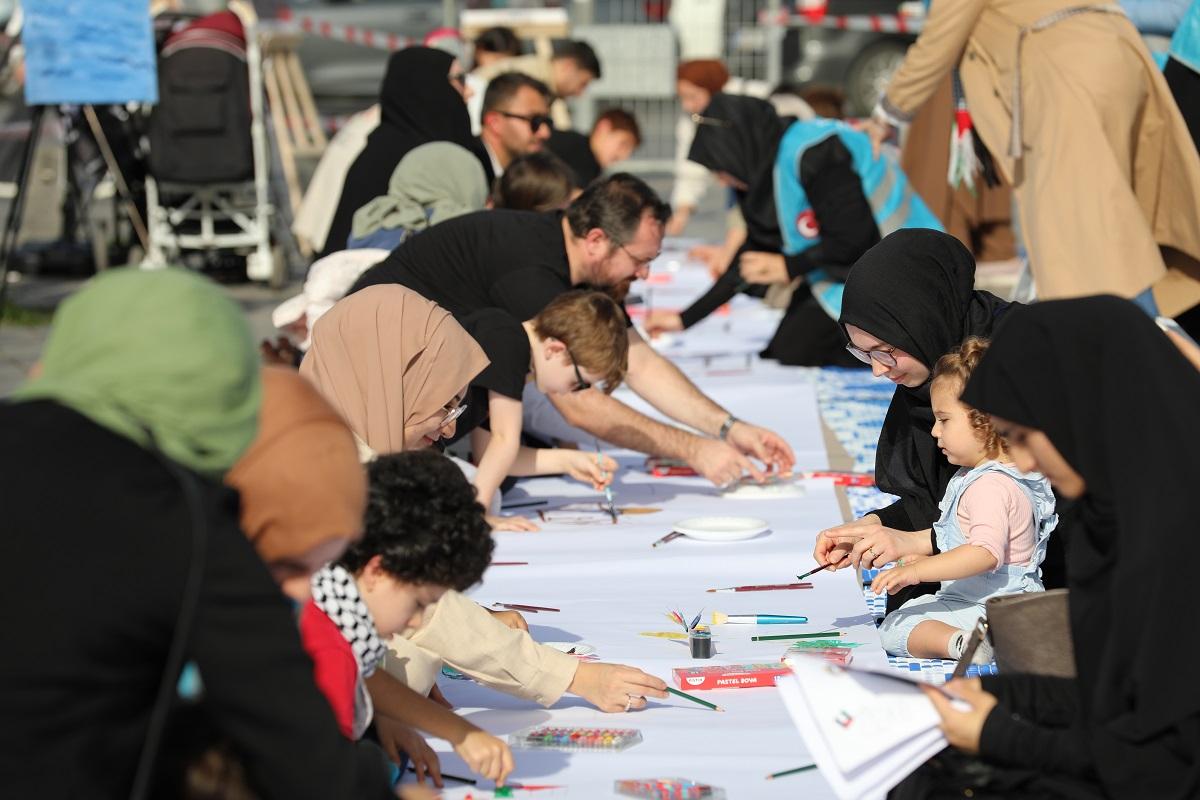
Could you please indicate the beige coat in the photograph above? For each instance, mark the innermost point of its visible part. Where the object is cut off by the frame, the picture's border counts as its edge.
(464, 635)
(1108, 173)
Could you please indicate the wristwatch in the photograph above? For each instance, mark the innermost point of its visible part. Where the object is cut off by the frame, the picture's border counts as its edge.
(727, 425)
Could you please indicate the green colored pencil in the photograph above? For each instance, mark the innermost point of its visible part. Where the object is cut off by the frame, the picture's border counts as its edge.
(773, 637)
(775, 775)
(694, 699)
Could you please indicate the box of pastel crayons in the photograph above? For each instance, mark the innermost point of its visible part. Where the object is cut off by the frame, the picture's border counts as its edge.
(729, 676)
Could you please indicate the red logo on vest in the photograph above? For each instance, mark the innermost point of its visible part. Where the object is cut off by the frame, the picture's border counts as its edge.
(806, 224)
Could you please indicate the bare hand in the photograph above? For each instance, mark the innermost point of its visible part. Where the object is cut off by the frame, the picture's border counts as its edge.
(396, 739)
(412, 791)
(878, 132)
(721, 463)
(486, 755)
(759, 267)
(582, 467)
(963, 728)
(767, 446)
(615, 687)
(894, 579)
(511, 619)
(513, 523)
(712, 256)
(867, 543)
(657, 322)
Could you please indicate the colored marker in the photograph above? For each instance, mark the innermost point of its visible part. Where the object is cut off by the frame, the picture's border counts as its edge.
(694, 699)
(756, 619)
(775, 775)
(796, 636)
(763, 588)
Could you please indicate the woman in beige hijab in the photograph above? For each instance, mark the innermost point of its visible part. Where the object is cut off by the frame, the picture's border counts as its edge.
(395, 365)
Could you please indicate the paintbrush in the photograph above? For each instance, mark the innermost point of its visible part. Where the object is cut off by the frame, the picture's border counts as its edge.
(448, 776)
(696, 620)
(669, 537)
(763, 588)
(823, 566)
(608, 492)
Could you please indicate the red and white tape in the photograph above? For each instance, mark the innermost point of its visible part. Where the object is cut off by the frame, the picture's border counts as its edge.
(350, 34)
(877, 23)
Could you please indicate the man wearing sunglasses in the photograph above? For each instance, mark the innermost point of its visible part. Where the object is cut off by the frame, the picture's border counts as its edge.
(516, 119)
(519, 261)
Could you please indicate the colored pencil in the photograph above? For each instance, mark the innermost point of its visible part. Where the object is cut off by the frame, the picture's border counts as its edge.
(664, 634)
(524, 607)
(445, 775)
(796, 636)
(814, 571)
(523, 504)
(763, 588)
(509, 564)
(694, 699)
(673, 535)
(775, 775)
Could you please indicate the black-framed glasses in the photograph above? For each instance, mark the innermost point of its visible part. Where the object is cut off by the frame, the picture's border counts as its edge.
(580, 383)
(536, 121)
(883, 357)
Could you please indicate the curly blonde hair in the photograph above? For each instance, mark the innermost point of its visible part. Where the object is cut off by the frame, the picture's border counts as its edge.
(957, 366)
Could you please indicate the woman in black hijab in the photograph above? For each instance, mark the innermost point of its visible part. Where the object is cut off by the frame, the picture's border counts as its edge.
(908, 301)
(1090, 393)
(738, 138)
(419, 103)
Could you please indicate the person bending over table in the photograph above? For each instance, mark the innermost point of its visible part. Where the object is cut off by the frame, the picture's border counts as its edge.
(520, 261)
(409, 407)
(575, 342)
(1116, 440)
(814, 199)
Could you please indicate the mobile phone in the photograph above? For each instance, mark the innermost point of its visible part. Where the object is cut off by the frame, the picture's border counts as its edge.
(977, 637)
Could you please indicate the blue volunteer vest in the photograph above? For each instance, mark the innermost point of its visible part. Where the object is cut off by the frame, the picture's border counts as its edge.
(892, 200)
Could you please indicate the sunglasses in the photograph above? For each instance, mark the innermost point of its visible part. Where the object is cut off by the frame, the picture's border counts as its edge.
(883, 357)
(580, 383)
(536, 121)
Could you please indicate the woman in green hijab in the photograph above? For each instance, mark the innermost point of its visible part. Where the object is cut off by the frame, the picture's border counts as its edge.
(433, 183)
(127, 561)
(162, 358)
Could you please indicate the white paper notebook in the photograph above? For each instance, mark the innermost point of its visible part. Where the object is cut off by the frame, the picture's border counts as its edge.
(867, 731)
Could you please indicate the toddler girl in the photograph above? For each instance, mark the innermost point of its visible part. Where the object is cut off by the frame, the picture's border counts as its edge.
(991, 536)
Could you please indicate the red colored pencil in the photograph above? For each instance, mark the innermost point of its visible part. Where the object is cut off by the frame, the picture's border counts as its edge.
(523, 607)
(764, 588)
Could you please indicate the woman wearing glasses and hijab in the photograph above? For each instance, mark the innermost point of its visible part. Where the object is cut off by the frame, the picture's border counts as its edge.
(814, 198)
(405, 375)
(907, 302)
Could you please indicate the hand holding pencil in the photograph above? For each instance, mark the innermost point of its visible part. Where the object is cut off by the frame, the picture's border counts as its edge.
(616, 687)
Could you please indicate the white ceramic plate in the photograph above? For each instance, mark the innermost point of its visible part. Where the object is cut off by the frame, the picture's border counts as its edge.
(722, 529)
(580, 648)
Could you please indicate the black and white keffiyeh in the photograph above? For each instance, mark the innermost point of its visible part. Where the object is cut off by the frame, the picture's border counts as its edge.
(335, 592)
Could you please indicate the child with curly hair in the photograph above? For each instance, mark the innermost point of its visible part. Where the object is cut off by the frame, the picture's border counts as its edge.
(991, 535)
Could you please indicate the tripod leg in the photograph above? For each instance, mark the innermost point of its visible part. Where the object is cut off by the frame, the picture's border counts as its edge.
(12, 227)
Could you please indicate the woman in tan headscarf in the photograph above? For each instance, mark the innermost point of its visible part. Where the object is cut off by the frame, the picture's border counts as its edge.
(395, 365)
(302, 487)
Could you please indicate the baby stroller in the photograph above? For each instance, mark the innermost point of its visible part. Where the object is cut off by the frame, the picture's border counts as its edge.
(208, 187)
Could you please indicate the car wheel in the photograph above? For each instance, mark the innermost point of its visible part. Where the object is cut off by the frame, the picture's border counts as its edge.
(869, 75)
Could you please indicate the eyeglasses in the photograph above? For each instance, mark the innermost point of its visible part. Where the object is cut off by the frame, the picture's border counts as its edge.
(580, 383)
(536, 121)
(454, 409)
(639, 262)
(883, 357)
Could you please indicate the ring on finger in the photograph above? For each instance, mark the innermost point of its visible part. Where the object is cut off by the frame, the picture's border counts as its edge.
(628, 701)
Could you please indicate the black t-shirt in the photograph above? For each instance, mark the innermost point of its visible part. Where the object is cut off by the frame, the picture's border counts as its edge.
(576, 150)
(506, 345)
(511, 260)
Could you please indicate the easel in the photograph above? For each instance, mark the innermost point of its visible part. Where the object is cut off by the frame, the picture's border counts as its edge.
(12, 226)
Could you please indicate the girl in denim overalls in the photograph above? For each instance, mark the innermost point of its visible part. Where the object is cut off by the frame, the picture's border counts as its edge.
(991, 536)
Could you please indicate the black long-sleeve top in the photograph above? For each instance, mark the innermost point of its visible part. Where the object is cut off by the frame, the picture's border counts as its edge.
(846, 222)
(97, 541)
(1034, 725)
